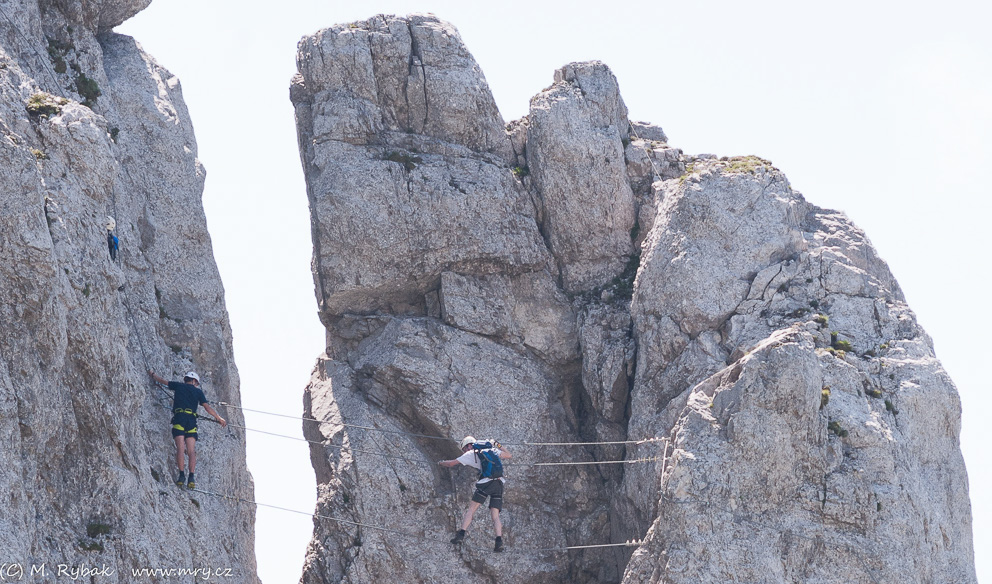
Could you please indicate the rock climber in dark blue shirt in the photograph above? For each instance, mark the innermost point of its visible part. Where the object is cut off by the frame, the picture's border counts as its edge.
(188, 397)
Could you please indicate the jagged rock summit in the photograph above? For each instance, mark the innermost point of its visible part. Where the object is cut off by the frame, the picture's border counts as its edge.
(570, 277)
(91, 127)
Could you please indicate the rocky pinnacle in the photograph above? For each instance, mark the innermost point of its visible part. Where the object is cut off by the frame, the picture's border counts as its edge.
(570, 277)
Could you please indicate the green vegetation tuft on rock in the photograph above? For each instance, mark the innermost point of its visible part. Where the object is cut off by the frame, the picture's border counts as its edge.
(45, 104)
(88, 88)
(745, 164)
(95, 528)
(835, 427)
(408, 161)
(57, 51)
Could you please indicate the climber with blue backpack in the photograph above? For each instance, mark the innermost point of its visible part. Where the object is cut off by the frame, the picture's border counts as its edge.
(113, 244)
(487, 457)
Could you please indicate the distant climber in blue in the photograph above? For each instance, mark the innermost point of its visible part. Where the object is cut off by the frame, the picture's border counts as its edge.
(486, 457)
(113, 244)
(188, 398)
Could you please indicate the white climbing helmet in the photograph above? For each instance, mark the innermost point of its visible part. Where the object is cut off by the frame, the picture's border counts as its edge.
(111, 223)
(192, 375)
(466, 441)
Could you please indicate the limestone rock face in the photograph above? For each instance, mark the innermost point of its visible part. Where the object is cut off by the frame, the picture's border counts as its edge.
(769, 480)
(397, 122)
(778, 362)
(575, 154)
(90, 458)
(574, 278)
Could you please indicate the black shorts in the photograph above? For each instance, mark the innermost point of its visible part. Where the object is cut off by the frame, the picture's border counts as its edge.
(493, 489)
(184, 425)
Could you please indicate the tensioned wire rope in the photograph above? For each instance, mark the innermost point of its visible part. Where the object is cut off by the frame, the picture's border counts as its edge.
(346, 448)
(628, 543)
(650, 158)
(343, 448)
(41, 58)
(430, 437)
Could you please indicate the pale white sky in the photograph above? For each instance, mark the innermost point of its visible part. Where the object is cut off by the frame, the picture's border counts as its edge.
(882, 110)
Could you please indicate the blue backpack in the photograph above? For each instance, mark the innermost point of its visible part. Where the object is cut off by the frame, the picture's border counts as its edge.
(488, 455)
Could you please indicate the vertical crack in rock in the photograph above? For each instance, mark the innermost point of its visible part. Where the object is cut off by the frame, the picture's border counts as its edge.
(557, 280)
(417, 66)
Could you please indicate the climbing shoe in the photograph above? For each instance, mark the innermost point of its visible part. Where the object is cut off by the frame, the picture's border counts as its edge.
(181, 481)
(459, 537)
(191, 483)
(499, 545)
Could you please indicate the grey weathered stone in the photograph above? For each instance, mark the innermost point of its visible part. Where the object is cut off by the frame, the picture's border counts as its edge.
(444, 317)
(417, 374)
(100, 16)
(608, 361)
(649, 164)
(526, 309)
(400, 75)
(538, 310)
(810, 279)
(432, 185)
(647, 131)
(766, 483)
(575, 154)
(89, 462)
(729, 228)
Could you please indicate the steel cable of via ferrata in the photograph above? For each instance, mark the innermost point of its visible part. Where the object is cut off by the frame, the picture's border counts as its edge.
(314, 515)
(628, 543)
(341, 447)
(345, 448)
(650, 159)
(430, 437)
(37, 54)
